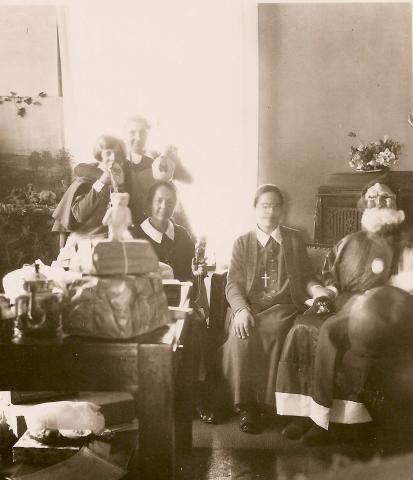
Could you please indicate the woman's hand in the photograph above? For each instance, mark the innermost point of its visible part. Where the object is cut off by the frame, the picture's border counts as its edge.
(114, 171)
(105, 177)
(243, 322)
(320, 291)
(117, 174)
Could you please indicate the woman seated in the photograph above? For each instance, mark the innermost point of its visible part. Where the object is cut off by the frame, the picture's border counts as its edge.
(84, 204)
(269, 278)
(174, 246)
(171, 242)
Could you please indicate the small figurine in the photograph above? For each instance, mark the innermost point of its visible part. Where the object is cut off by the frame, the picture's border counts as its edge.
(199, 267)
(200, 248)
(118, 217)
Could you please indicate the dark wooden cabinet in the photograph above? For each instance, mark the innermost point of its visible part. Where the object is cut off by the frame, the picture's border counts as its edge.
(336, 211)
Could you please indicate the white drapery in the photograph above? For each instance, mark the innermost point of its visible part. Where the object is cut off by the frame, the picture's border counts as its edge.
(191, 67)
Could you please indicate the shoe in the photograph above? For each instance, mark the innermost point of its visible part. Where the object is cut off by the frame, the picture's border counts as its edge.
(297, 428)
(353, 433)
(250, 422)
(316, 436)
(207, 415)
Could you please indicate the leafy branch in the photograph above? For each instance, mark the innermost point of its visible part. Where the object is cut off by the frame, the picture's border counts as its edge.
(19, 101)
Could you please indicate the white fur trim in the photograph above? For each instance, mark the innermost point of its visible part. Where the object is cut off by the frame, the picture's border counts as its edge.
(342, 411)
(346, 411)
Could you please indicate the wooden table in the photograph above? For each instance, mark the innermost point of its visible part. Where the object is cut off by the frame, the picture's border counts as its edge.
(159, 362)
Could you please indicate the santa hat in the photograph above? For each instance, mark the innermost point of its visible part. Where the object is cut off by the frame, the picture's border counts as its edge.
(383, 180)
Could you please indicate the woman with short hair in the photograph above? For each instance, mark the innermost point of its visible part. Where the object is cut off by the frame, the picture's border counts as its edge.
(84, 204)
(171, 242)
(175, 247)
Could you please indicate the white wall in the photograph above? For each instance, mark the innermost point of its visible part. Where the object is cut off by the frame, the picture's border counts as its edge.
(327, 69)
(29, 65)
(191, 67)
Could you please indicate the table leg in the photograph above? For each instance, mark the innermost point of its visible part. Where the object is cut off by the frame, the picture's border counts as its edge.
(184, 391)
(156, 399)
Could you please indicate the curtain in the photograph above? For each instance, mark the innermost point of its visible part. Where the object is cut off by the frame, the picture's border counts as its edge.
(190, 67)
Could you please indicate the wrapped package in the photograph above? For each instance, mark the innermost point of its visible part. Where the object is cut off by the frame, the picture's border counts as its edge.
(118, 306)
(104, 257)
(131, 257)
(65, 416)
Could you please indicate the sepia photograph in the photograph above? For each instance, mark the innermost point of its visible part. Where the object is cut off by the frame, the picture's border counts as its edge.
(206, 240)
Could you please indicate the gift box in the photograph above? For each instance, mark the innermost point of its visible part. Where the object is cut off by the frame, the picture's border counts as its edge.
(104, 257)
(132, 257)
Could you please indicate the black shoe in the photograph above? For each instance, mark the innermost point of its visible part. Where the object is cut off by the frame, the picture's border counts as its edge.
(297, 428)
(250, 421)
(316, 436)
(207, 415)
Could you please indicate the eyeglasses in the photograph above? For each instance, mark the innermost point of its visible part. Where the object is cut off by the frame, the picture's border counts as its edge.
(268, 206)
(379, 199)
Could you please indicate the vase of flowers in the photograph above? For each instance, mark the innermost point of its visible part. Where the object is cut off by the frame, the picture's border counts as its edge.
(374, 156)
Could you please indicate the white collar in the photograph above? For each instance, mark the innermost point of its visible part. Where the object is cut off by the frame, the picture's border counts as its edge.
(135, 158)
(263, 237)
(155, 234)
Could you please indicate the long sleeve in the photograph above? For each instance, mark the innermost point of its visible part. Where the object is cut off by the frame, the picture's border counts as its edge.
(237, 277)
(89, 202)
(329, 272)
(184, 253)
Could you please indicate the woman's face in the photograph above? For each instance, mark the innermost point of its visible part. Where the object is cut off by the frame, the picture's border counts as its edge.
(109, 156)
(268, 211)
(111, 161)
(163, 204)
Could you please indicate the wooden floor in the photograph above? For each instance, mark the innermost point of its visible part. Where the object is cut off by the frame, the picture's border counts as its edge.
(222, 452)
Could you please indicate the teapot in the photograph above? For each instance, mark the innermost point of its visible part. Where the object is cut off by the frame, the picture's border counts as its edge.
(38, 311)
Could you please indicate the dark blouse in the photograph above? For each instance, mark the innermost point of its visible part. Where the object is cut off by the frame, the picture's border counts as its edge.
(178, 253)
(82, 208)
(270, 285)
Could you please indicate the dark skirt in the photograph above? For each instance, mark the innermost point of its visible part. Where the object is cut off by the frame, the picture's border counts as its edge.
(250, 365)
(317, 377)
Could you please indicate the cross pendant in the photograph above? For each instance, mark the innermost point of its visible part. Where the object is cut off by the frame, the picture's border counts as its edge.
(265, 278)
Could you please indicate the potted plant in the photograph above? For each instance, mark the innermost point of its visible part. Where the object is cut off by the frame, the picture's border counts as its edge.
(374, 156)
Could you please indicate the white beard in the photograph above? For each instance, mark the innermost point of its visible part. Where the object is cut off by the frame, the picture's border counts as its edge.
(377, 220)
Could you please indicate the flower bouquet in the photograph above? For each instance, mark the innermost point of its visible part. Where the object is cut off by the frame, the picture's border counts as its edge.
(373, 156)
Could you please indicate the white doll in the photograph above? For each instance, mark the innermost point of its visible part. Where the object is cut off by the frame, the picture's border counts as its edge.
(118, 217)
